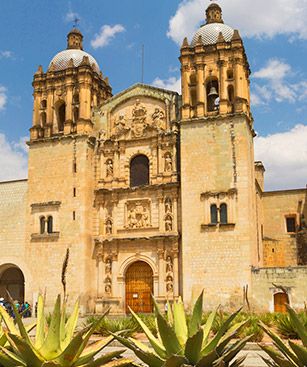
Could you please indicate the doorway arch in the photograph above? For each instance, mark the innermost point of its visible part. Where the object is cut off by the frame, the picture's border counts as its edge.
(13, 281)
(281, 299)
(139, 287)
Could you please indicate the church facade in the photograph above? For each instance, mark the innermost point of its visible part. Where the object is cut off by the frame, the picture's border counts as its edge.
(152, 192)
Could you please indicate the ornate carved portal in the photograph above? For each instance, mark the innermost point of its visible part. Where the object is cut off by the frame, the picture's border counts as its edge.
(169, 275)
(138, 214)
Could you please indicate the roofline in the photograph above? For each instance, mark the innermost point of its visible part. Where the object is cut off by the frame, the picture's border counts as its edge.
(11, 181)
(284, 191)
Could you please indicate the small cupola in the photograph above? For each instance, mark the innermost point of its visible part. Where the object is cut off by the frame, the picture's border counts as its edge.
(74, 39)
(214, 14)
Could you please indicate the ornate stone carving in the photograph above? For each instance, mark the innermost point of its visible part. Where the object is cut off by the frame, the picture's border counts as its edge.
(168, 223)
(138, 214)
(158, 118)
(108, 285)
(168, 205)
(168, 162)
(109, 226)
(109, 167)
(108, 267)
(139, 114)
(169, 264)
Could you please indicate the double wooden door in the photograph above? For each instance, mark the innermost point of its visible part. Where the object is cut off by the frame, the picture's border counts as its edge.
(139, 287)
(280, 301)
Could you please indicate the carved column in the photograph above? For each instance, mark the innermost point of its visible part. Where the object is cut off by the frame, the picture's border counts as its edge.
(200, 90)
(176, 273)
(161, 272)
(100, 275)
(238, 75)
(115, 290)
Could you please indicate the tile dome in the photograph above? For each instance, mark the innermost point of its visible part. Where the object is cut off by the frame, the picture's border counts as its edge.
(62, 59)
(210, 33)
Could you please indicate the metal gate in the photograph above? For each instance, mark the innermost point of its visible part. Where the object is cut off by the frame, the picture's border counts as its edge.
(139, 287)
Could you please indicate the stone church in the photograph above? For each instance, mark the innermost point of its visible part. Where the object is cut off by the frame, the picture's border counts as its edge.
(152, 192)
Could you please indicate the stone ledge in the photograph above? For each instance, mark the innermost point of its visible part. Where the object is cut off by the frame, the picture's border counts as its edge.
(45, 237)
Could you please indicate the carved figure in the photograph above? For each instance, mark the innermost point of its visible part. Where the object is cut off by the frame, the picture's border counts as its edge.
(158, 118)
(108, 266)
(109, 167)
(169, 264)
(169, 284)
(139, 216)
(108, 286)
(168, 162)
(138, 125)
(168, 223)
(168, 205)
(109, 226)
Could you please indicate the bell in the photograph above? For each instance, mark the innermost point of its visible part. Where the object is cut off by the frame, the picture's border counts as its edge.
(213, 92)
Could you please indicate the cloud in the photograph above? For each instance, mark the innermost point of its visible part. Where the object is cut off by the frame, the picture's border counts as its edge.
(171, 83)
(14, 161)
(6, 54)
(284, 156)
(106, 34)
(276, 85)
(3, 97)
(269, 18)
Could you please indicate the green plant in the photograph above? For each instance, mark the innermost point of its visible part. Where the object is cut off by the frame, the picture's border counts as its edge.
(125, 325)
(180, 343)
(55, 345)
(291, 354)
(285, 327)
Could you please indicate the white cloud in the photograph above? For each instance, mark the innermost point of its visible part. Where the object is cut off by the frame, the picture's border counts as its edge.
(275, 76)
(106, 34)
(259, 18)
(284, 156)
(171, 83)
(3, 97)
(6, 54)
(13, 162)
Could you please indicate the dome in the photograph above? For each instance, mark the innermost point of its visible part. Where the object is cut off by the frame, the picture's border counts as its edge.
(210, 33)
(62, 59)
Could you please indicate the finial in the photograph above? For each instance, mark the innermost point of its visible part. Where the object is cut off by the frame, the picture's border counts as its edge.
(214, 13)
(76, 22)
(236, 36)
(220, 38)
(39, 70)
(75, 38)
(185, 43)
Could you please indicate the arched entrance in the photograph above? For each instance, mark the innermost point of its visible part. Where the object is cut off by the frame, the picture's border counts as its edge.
(280, 301)
(13, 281)
(139, 287)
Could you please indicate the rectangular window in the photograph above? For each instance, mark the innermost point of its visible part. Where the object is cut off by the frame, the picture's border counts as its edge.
(75, 192)
(74, 215)
(291, 224)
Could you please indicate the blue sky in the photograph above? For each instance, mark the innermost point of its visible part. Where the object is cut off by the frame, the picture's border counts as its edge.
(274, 35)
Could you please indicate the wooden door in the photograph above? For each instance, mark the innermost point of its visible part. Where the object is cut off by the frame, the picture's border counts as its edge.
(139, 287)
(280, 301)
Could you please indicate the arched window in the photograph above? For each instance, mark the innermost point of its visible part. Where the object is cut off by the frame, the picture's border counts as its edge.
(50, 224)
(212, 90)
(43, 103)
(223, 214)
(42, 223)
(193, 84)
(213, 214)
(76, 114)
(61, 116)
(43, 119)
(139, 171)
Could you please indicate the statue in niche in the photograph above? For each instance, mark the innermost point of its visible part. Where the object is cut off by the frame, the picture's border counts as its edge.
(169, 264)
(169, 284)
(168, 162)
(109, 168)
(108, 268)
(158, 118)
(108, 286)
(139, 114)
(109, 226)
(168, 223)
(168, 205)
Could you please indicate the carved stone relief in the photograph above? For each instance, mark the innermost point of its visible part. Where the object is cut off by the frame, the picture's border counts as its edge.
(158, 118)
(168, 205)
(138, 214)
(168, 223)
(139, 115)
(169, 274)
(109, 226)
(168, 162)
(108, 280)
(109, 167)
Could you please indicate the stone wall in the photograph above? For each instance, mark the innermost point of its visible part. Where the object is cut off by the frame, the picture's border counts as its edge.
(292, 278)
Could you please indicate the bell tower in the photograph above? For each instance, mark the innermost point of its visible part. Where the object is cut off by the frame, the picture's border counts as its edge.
(61, 169)
(214, 70)
(219, 240)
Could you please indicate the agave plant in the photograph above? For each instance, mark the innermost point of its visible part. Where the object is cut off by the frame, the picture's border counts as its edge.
(181, 343)
(54, 345)
(291, 355)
